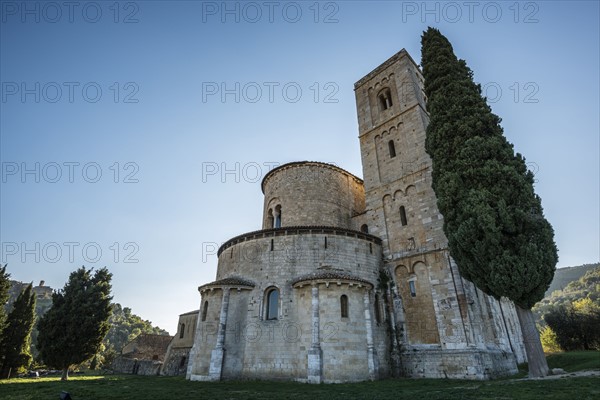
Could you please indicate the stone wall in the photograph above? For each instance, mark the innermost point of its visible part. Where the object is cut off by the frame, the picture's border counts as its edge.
(258, 348)
(177, 357)
(176, 362)
(269, 257)
(458, 364)
(312, 194)
(147, 346)
(134, 366)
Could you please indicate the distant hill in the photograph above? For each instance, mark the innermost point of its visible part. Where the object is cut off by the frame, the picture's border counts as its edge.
(564, 276)
(586, 286)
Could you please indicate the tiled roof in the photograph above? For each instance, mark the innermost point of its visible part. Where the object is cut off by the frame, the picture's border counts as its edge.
(231, 281)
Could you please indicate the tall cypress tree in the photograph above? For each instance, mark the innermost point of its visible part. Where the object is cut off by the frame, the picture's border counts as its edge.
(15, 339)
(73, 329)
(4, 287)
(494, 222)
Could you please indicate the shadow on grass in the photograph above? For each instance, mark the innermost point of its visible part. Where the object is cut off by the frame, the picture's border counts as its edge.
(130, 387)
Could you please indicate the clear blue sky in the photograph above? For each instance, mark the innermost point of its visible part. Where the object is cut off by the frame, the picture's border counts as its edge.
(539, 62)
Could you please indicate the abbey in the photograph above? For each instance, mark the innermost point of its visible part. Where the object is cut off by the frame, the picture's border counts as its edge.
(351, 279)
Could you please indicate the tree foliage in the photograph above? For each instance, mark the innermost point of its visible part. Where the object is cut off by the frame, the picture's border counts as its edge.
(15, 339)
(549, 340)
(124, 327)
(4, 288)
(493, 219)
(586, 287)
(73, 329)
(577, 325)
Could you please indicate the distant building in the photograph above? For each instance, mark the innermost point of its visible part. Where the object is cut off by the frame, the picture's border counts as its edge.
(144, 355)
(178, 352)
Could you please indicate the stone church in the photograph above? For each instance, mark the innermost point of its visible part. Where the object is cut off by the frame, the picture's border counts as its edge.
(350, 279)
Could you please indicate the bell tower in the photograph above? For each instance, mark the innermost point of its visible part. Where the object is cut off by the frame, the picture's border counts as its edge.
(435, 310)
(401, 205)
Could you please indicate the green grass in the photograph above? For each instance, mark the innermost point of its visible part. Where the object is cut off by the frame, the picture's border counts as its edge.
(575, 360)
(149, 388)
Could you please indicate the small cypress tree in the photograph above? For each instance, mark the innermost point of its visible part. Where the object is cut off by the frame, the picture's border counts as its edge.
(4, 288)
(15, 340)
(494, 222)
(72, 331)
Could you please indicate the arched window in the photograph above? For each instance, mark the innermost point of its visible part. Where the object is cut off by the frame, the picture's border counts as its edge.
(344, 306)
(272, 304)
(364, 228)
(385, 99)
(182, 362)
(277, 223)
(181, 331)
(377, 310)
(392, 149)
(204, 310)
(403, 216)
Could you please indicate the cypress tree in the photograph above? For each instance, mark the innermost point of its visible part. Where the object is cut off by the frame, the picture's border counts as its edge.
(73, 329)
(15, 340)
(494, 222)
(4, 288)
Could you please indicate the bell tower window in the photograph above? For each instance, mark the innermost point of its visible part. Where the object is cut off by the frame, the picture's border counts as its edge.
(403, 216)
(392, 149)
(385, 99)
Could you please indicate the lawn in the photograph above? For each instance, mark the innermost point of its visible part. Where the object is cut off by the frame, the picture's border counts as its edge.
(148, 388)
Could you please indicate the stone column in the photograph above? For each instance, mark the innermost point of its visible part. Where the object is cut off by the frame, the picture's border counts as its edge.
(197, 342)
(217, 355)
(395, 356)
(371, 352)
(315, 354)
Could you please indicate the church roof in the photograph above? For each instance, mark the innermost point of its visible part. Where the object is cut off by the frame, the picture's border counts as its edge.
(329, 275)
(230, 281)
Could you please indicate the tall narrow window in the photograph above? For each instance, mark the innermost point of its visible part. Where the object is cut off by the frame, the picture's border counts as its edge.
(413, 288)
(277, 217)
(204, 310)
(392, 149)
(272, 244)
(182, 331)
(325, 242)
(344, 306)
(377, 310)
(403, 215)
(182, 362)
(272, 303)
(364, 228)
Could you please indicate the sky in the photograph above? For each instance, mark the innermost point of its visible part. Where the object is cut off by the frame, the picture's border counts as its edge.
(134, 135)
